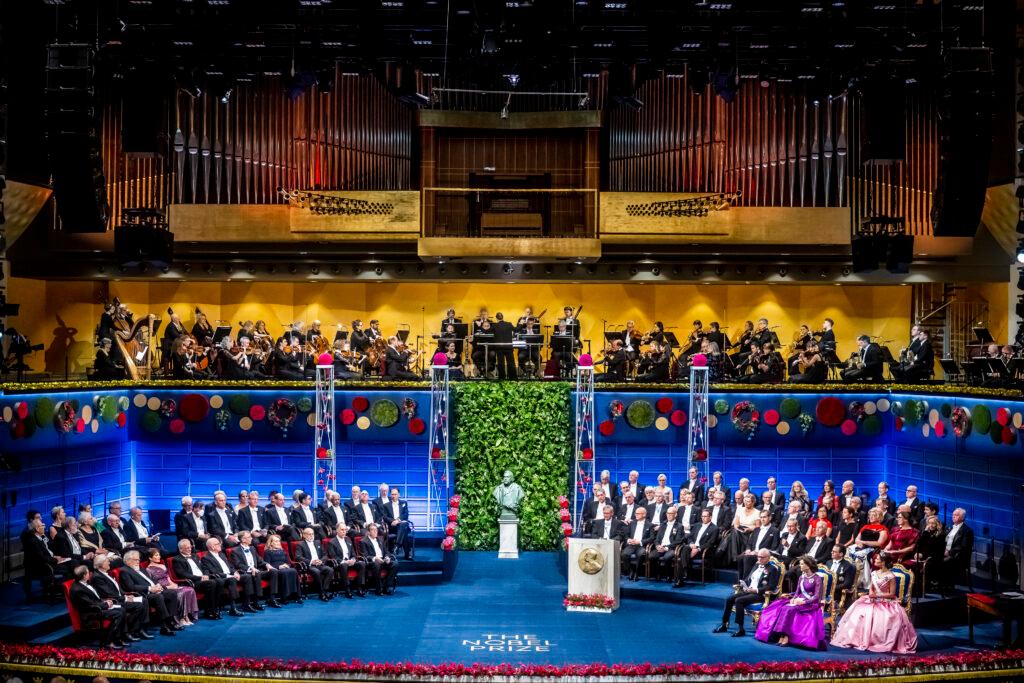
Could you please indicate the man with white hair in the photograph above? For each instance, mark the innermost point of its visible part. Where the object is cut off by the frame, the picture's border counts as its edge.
(352, 502)
(186, 566)
(218, 567)
(186, 509)
(136, 531)
(222, 521)
(607, 485)
(253, 518)
(113, 536)
(635, 487)
(382, 498)
(136, 611)
(162, 601)
(95, 611)
(956, 559)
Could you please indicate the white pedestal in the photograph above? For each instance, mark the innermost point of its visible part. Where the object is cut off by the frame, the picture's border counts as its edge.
(508, 548)
(603, 582)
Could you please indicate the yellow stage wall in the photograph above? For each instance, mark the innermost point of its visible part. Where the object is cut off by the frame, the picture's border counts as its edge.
(64, 314)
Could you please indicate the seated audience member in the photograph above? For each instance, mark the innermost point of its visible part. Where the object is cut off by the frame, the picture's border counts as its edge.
(180, 526)
(253, 571)
(193, 526)
(744, 523)
(778, 498)
(798, 493)
(872, 538)
(663, 488)
(931, 548)
(657, 511)
(218, 567)
(136, 610)
(694, 486)
(638, 536)
(186, 568)
(791, 544)
(608, 526)
(278, 521)
(41, 562)
(303, 517)
(113, 536)
(774, 511)
(688, 512)
(243, 501)
(796, 619)
(701, 544)
(396, 518)
(720, 515)
(847, 495)
(341, 551)
(136, 531)
(309, 553)
(96, 611)
(57, 517)
(380, 564)
(956, 558)
(844, 571)
(845, 532)
(794, 513)
(877, 622)
(821, 518)
(65, 544)
(253, 518)
(188, 605)
(860, 515)
(931, 509)
(364, 515)
(883, 494)
(764, 536)
(163, 602)
(593, 509)
(903, 541)
(221, 520)
(91, 539)
(288, 576)
(818, 547)
(717, 484)
(667, 540)
(884, 518)
(333, 514)
(627, 509)
(763, 577)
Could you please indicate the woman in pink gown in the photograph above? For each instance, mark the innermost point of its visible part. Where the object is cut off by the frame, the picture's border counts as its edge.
(877, 622)
(796, 619)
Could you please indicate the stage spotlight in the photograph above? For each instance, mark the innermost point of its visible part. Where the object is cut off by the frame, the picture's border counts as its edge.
(655, 270)
(591, 270)
(464, 269)
(823, 273)
(633, 270)
(441, 269)
(697, 270)
(484, 269)
(527, 269)
(315, 270)
(570, 268)
(292, 268)
(548, 269)
(846, 271)
(613, 269)
(1020, 252)
(399, 270)
(378, 270)
(420, 268)
(270, 269)
(719, 271)
(356, 270)
(226, 96)
(508, 269)
(782, 271)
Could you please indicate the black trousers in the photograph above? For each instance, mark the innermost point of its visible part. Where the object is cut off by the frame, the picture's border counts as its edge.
(740, 601)
(211, 592)
(341, 574)
(136, 615)
(117, 628)
(165, 604)
(664, 559)
(321, 576)
(506, 366)
(384, 575)
(633, 555)
(226, 585)
(403, 536)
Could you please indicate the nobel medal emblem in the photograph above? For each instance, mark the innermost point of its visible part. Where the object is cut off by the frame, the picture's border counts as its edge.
(591, 561)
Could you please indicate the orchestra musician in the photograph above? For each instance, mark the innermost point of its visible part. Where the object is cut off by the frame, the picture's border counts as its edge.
(286, 360)
(182, 366)
(654, 364)
(483, 354)
(657, 334)
(314, 332)
(565, 354)
(766, 365)
(827, 341)
(374, 333)
(449, 320)
(631, 341)
(865, 364)
(810, 366)
(716, 335)
(296, 334)
(749, 361)
(398, 361)
(247, 329)
(454, 362)
(801, 338)
(696, 335)
(447, 335)
(917, 361)
(260, 336)
(347, 363)
(138, 347)
(526, 316)
(615, 363)
(106, 366)
(106, 328)
(479, 321)
(504, 333)
(201, 327)
(743, 344)
(763, 334)
(359, 339)
(572, 321)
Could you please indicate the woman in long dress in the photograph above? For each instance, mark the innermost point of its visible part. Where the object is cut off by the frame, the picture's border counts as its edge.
(797, 620)
(744, 523)
(877, 622)
(288, 578)
(188, 605)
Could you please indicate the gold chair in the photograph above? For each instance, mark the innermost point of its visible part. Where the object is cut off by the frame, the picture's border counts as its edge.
(904, 586)
(848, 596)
(755, 610)
(828, 595)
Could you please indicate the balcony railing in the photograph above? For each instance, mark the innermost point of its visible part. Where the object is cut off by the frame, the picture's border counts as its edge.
(508, 212)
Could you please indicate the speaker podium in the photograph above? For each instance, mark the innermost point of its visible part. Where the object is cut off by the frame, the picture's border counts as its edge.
(594, 570)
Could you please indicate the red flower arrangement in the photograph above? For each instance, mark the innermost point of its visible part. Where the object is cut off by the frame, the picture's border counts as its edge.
(849, 427)
(588, 454)
(455, 500)
(417, 426)
(450, 529)
(436, 454)
(348, 416)
(664, 405)
(448, 544)
(257, 412)
(80, 426)
(1003, 417)
(453, 514)
(678, 418)
(321, 453)
(566, 529)
(564, 515)
(563, 502)
(745, 418)
(194, 407)
(21, 410)
(121, 420)
(202, 665)
(588, 600)
(771, 417)
(177, 426)
(607, 428)
(360, 404)
(830, 411)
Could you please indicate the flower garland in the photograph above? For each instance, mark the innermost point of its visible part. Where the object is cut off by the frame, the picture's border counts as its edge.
(588, 600)
(203, 665)
(743, 424)
(616, 409)
(452, 528)
(961, 420)
(282, 413)
(409, 408)
(64, 416)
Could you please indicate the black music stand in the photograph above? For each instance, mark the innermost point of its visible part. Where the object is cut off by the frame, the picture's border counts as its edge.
(887, 356)
(341, 335)
(950, 368)
(1016, 368)
(612, 336)
(484, 339)
(670, 337)
(993, 366)
(403, 335)
(221, 332)
(983, 335)
(461, 330)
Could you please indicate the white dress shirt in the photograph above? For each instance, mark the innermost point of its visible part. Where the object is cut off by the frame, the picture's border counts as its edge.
(395, 507)
(255, 515)
(953, 530)
(666, 537)
(814, 547)
(223, 565)
(111, 579)
(339, 513)
(200, 524)
(120, 536)
(638, 533)
(145, 576)
(656, 516)
(376, 548)
(755, 577)
(700, 532)
(715, 509)
(307, 513)
(141, 530)
(248, 554)
(607, 528)
(313, 554)
(761, 533)
(684, 515)
(76, 549)
(344, 548)
(193, 566)
(225, 520)
(282, 516)
(367, 512)
(86, 584)
(607, 490)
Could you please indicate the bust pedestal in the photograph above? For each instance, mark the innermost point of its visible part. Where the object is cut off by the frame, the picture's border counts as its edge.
(508, 548)
(594, 570)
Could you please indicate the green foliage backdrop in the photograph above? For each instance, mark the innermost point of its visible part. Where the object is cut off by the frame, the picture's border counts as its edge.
(522, 427)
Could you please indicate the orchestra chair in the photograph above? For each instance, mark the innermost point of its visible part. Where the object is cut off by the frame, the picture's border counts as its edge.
(828, 596)
(769, 596)
(904, 586)
(78, 625)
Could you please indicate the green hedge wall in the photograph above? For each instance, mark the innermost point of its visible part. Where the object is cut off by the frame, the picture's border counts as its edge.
(522, 427)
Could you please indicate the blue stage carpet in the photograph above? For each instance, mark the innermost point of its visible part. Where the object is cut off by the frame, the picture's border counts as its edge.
(503, 600)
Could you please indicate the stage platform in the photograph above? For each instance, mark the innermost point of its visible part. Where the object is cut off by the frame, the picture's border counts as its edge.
(491, 603)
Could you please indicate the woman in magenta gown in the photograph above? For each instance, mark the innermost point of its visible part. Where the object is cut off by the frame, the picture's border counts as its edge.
(877, 622)
(798, 619)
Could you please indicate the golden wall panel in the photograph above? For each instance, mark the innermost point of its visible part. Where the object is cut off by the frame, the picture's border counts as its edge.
(509, 248)
(384, 213)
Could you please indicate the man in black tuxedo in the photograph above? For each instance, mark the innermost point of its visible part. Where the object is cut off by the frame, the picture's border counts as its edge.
(615, 364)
(136, 611)
(717, 484)
(956, 559)
(657, 511)
(253, 518)
(627, 509)
(777, 497)
(792, 542)
(193, 526)
(397, 362)
(380, 564)
(608, 526)
(136, 531)
(609, 488)
(827, 341)
(504, 333)
(883, 494)
(278, 520)
(163, 602)
(916, 505)
(721, 516)
(638, 536)
(795, 514)
(396, 518)
(65, 544)
(382, 499)
(763, 577)
(688, 511)
(703, 538)
(351, 503)
(41, 562)
(919, 363)
(113, 536)
(634, 486)
(694, 486)
(843, 569)
(310, 553)
(847, 494)
(364, 513)
(593, 509)
(819, 547)
(94, 610)
(870, 361)
(254, 571)
(187, 568)
(333, 514)
(341, 551)
(766, 536)
(774, 511)
(221, 520)
(667, 540)
(303, 517)
(218, 567)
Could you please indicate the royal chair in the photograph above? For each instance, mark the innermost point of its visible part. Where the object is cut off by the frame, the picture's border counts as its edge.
(845, 598)
(769, 596)
(78, 625)
(828, 596)
(904, 586)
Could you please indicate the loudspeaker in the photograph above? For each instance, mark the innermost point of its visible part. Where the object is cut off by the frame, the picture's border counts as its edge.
(143, 244)
(899, 253)
(866, 253)
(883, 120)
(965, 142)
(72, 135)
(140, 119)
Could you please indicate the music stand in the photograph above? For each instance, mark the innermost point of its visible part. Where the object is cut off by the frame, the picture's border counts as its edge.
(1015, 367)
(983, 335)
(993, 366)
(341, 335)
(950, 368)
(612, 336)
(484, 339)
(221, 332)
(461, 330)
(403, 335)
(887, 356)
(670, 337)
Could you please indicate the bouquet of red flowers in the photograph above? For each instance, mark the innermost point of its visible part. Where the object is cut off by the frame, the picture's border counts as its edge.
(588, 600)
(454, 501)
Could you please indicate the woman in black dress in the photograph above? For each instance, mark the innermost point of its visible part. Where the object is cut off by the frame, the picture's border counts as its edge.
(288, 583)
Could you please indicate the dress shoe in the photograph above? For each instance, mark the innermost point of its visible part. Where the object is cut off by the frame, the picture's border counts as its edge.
(362, 593)
(132, 638)
(144, 635)
(115, 646)
(234, 612)
(739, 634)
(273, 603)
(324, 597)
(348, 594)
(257, 606)
(721, 628)
(124, 642)
(677, 584)
(164, 631)
(216, 616)
(248, 608)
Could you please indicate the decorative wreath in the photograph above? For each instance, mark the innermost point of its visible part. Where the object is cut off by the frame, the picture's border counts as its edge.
(616, 409)
(640, 414)
(409, 408)
(282, 413)
(384, 413)
(721, 406)
(961, 420)
(745, 418)
(64, 417)
(856, 409)
(168, 407)
(305, 404)
(981, 417)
